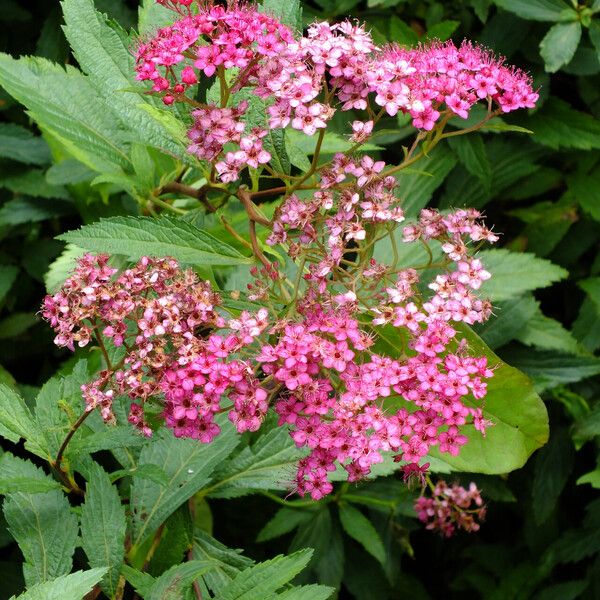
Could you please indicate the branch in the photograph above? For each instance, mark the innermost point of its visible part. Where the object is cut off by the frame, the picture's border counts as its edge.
(174, 187)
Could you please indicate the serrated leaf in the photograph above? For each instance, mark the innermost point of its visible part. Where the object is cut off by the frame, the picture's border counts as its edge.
(548, 334)
(559, 45)
(141, 582)
(539, 10)
(188, 464)
(358, 527)
(514, 273)
(65, 103)
(18, 143)
(172, 584)
(227, 563)
(135, 237)
(58, 404)
(266, 464)
(18, 422)
(68, 172)
(264, 579)
(550, 368)
(41, 523)
(442, 30)
(31, 182)
(509, 319)
(472, 154)
(304, 592)
(26, 485)
(103, 526)
(585, 188)
(103, 55)
(62, 267)
(558, 125)
(67, 587)
(594, 32)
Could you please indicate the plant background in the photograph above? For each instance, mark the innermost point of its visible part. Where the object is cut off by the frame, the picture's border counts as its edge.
(542, 536)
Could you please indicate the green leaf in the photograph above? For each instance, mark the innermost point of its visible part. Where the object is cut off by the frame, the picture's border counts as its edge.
(569, 590)
(585, 188)
(62, 267)
(17, 422)
(27, 485)
(8, 274)
(141, 582)
(514, 273)
(109, 63)
(64, 103)
(284, 521)
(549, 369)
(592, 477)
(442, 30)
(417, 188)
(226, 562)
(510, 318)
(289, 12)
(586, 327)
(594, 32)
(552, 468)
(18, 143)
(558, 125)
(172, 584)
(29, 210)
(41, 523)
(31, 182)
(297, 157)
(402, 33)
(591, 287)
(304, 592)
(264, 579)
(67, 587)
(263, 465)
(539, 10)
(103, 527)
(68, 172)
(472, 154)
(519, 416)
(559, 45)
(548, 334)
(152, 16)
(188, 464)
(57, 406)
(358, 527)
(135, 237)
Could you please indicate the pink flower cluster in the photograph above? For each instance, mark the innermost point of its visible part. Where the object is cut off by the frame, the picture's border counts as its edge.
(451, 508)
(333, 67)
(155, 313)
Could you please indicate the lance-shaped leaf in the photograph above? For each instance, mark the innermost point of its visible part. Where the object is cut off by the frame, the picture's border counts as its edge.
(41, 523)
(66, 104)
(187, 463)
(67, 587)
(266, 464)
(264, 579)
(103, 527)
(103, 53)
(135, 237)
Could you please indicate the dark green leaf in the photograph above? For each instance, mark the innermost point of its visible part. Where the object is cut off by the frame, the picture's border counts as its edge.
(358, 527)
(539, 10)
(559, 45)
(135, 237)
(103, 527)
(187, 463)
(18, 143)
(42, 524)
